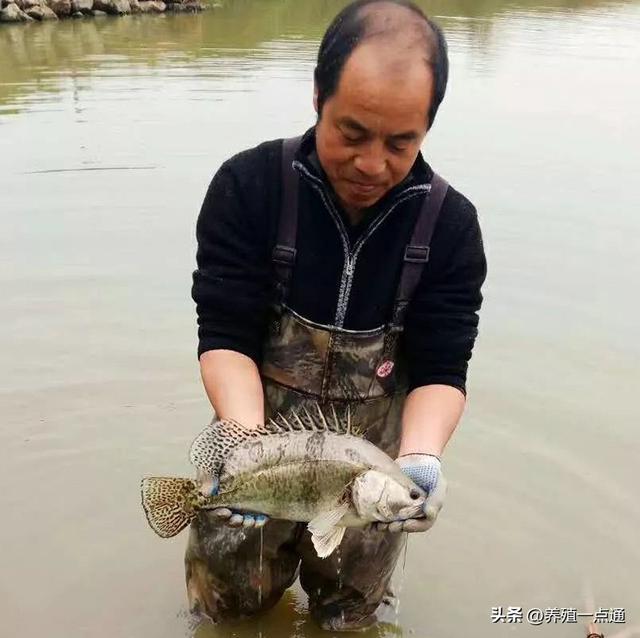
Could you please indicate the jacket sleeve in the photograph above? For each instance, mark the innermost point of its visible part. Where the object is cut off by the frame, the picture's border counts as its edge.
(442, 318)
(231, 284)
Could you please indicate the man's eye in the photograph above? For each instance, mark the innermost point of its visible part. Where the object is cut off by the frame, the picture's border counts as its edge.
(398, 148)
(352, 139)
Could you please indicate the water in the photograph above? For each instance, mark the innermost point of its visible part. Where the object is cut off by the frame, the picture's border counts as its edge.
(109, 133)
(400, 584)
(260, 560)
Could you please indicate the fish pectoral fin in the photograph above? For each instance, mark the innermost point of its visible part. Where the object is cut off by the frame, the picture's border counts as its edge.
(326, 533)
(328, 519)
(327, 542)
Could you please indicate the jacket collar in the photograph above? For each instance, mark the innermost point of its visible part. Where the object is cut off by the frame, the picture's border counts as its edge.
(419, 175)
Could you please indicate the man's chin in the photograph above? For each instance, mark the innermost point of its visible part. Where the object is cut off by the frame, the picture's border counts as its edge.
(358, 202)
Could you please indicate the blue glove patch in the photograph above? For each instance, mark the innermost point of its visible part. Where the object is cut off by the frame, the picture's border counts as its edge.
(425, 476)
(215, 486)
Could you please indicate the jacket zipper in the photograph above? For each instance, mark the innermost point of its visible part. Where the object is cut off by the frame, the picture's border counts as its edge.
(351, 256)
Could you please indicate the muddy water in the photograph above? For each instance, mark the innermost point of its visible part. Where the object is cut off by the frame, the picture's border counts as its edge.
(109, 133)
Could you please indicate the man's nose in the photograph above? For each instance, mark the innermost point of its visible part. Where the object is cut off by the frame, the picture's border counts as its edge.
(371, 161)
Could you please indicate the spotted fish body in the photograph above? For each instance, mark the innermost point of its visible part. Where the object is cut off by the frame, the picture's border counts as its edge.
(303, 471)
(297, 474)
(296, 490)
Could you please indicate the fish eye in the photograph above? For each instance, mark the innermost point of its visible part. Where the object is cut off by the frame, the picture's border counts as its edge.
(414, 494)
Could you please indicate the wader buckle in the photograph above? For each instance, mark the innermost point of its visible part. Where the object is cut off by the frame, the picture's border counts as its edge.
(284, 255)
(416, 254)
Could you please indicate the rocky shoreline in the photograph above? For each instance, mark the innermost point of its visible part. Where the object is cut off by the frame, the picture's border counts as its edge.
(36, 10)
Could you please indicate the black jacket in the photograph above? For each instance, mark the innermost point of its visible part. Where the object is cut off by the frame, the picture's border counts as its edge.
(236, 232)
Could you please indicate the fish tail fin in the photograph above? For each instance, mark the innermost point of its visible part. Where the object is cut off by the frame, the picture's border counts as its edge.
(168, 503)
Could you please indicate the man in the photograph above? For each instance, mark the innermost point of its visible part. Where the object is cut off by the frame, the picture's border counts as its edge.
(339, 269)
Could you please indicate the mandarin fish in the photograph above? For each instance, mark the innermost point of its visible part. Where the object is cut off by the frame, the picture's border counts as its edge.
(305, 469)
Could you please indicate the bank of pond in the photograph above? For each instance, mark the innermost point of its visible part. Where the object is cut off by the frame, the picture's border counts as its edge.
(37, 10)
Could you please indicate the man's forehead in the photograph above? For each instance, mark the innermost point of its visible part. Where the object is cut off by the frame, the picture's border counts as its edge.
(389, 56)
(385, 64)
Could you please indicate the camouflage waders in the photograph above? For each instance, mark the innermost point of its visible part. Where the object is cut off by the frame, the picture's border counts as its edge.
(305, 363)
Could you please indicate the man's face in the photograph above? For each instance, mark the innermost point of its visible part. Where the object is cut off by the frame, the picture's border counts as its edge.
(371, 129)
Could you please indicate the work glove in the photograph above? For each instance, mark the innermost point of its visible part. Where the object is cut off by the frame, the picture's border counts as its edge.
(426, 472)
(209, 487)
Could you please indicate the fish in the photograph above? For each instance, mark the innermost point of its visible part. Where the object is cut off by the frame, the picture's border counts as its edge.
(302, 468)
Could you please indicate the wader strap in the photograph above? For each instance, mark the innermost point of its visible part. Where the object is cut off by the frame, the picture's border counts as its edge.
(284, 252)
(416, 254)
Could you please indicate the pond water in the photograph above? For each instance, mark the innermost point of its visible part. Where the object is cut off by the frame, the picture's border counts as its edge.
(110, 131)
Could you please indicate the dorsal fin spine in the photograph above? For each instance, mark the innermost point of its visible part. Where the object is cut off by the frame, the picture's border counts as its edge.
(306, 413)
(336, 423)
(284, 420)
(298, 419)
(325, 425)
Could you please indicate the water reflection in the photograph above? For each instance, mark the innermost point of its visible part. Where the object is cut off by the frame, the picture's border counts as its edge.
(34, 57)
(290, 619)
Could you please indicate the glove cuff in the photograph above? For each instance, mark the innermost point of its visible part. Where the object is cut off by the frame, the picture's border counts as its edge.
(435, 456)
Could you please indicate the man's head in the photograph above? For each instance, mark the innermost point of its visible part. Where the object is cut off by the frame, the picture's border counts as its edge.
(381, 75)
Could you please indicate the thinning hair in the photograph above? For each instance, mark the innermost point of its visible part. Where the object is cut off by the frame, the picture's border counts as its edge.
(362, 20)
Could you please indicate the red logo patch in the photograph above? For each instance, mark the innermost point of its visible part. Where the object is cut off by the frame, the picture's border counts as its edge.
(384, 369)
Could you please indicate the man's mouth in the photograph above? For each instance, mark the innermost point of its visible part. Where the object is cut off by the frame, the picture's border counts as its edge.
(363, 187)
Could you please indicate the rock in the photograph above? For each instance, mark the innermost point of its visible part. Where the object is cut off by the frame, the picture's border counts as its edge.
(96, 13)
(114, 7)
(13, 13)
(122, 7)
(35, 12)
(28, 4)
(77, 14)
(135, 6)
(48, 14)
(62, 8)
(38, 10)
(152, 6)
(184, 7)
(84, 6)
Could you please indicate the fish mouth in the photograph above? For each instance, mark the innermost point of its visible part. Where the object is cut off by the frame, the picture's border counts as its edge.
(411, 511)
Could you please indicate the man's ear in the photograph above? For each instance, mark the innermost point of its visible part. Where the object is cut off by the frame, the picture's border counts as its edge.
(315, 97)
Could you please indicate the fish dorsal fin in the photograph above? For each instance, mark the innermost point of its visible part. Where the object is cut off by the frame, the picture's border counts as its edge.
(316, 420)
(326, 533)
(211, 447)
